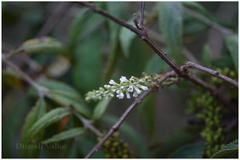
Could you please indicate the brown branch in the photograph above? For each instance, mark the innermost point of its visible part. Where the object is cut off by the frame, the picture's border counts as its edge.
(142, 16)
(212, 72)
(141, 33)
(41, 90)
(45, 92)
(126, 113)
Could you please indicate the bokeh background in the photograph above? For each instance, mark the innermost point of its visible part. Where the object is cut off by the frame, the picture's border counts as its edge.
(99, 50)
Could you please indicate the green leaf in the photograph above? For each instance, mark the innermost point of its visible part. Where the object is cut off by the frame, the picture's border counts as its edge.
(126, 38)
(232, 45)
(85, 145)
(206, 56)
(132, 134)
(71, 133)
(48, 119)
(189, 151)
(14, 107)
(193, 27)
(35, 114)
(66, 95)
(87, 65)
(146, 113)
(196, 6)
(228, 151)
(45, 45)
(173, 142)
(155, 65)
(83, 24)
(114, 31)
(100, 108)
(170, 23)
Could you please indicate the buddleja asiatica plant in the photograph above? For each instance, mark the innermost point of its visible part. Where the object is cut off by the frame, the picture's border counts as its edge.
(133, 86)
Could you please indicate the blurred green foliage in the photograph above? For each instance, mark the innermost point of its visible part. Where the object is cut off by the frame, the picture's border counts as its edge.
(85, 50)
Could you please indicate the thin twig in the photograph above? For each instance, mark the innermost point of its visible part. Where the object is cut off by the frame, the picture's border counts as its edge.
(126, 113)
(142, 16)
(41, 90)
(45, 92)
(87, 124)
(141, 33)
(212, 72)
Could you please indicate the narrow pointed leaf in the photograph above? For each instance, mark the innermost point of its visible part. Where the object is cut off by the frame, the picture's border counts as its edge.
(228, 151)
(232, 45)
(126, 38)
(155, 65)
(100, 108)
(65, 95)
(71, 133)
(206, 56)
(48, 119)
(45, 45)
(36, 113)
(170, 23)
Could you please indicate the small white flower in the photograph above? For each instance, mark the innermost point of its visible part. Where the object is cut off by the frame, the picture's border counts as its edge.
(118, 91)
(130, 89)
(135, 94)
(138, 90)
(132, 78)
(123, 79)
(112, 82)
(107, 86)
(122, 87)
(120, 96)
(111, 95)
(144, 88)
(128, 95)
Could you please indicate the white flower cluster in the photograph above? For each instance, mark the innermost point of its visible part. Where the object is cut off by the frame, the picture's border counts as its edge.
(134, 86)
(126, 87)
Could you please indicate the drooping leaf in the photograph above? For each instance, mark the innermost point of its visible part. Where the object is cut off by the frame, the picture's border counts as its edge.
(48, 119)
(71, 133)
(188, 151)
(146, 113)
(232, 45)
(45, 45)
(126, 36)
(228, 151)
(196, 6)
(155, 65)
(13, 115)
(65, 95)
(206, 56)
(133, 135)
(87, 65)
(35, 114)
(83, 24)
(59, 67)
(116, 10)
(100, 108)
(193, 27)
(170, 23)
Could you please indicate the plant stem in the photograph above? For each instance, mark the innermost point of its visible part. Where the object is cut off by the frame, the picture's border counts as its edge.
(126, 113)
